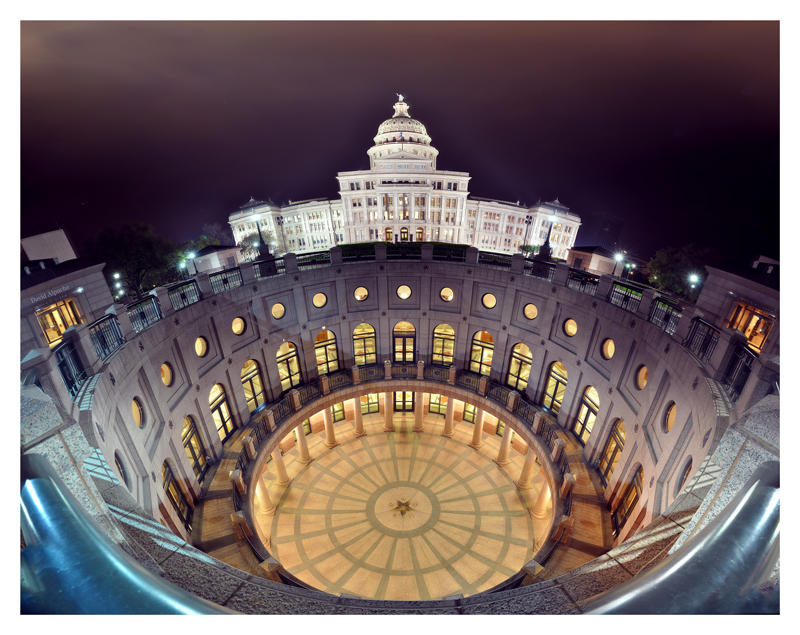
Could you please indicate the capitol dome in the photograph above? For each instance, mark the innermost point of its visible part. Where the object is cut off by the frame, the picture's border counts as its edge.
(401, 137)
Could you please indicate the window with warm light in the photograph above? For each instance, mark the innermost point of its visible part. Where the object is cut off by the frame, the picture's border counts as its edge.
(481, 353)
(612, 451)
(437, 404)
(57, 318)
(519, 367)
(166, 374)
(360, 294)
(628, 501)
(446, 294)
(252, 384)
(325, 352)
(570, 327)
(238, 326)
(364, 345)
(405, 342)
(194, 448)
(444, 341)
(200, 347)
(176, 496)
(530, 311)
(404, 292)
(137, 412)
(489, 300)
(587, 414)
(755, 324)
(221, 412)
(404, 401)
(370, 403)
(555, 387)
(608, 349)
(288, 366)
(669, 416)
(278, 310)
(641, 377)
(319, 300)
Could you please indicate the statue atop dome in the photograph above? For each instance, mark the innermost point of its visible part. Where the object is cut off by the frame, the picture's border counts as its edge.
(400, 97)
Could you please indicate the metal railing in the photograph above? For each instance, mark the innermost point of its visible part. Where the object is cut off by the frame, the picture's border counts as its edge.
(543, 270)
(724, 569)
(340, 379)
(144, 313)
(582, 282)
(69, 566)
(702, 339)
(665, 316)
(183, 294)
(492, 259)
(624, 296)
(106, 335)
(70, 367)
(314, 259)
(309, 391)
(268, 267)
(225, 280)
(370, 373)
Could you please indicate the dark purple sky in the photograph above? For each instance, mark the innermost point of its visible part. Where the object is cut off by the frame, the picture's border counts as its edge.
(669, 129)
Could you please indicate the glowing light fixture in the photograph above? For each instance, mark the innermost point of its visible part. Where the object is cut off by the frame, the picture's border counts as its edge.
(116, 276)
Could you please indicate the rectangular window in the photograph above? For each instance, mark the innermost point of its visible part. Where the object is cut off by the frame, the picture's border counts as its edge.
(337, 412)
(437, 405)
(369, 403)
(57, 318)
(469, 413)
(404, 401)
(753, 323)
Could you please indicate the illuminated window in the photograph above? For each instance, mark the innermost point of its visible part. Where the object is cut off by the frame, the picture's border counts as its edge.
(404, 230)
(200, 347)
(137, 412)
(405, 342)
(530, 311)
(420, 231)
(337, 412)
(319, 300)
(753, 323)
(278, 310)
(489, 300)
(587, 414)
(501, 428)
(388, 230)
(519, 368)
(176, 496)
(469, 413)
(446, 294)
(404, 401)
(641, 377)
(360, 294)
(480, 356)
(404, 292)
(193, 446)
(238, 326)
(166, 374)
(570, 327)
(612, 451)
(437, 404)
(364, 345)
(253, 384)
(221, 412)
(684, 476)
(307, 426)
(57, 318)
(288, 366)
(325, 352)
(444, 340)
(628, 501)
(608, 348)
(369, 403)
(555, 387)
(669, 416)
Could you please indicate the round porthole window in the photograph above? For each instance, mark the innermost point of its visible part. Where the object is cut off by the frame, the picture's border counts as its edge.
(570, 327)
(238, 326)
(404, 292)
(641, 377)
(319, 300)
(446, 294)
(489, 300)
(201, 347)
(137, 412)
(360, 294)
(608, 348)
(669, 416)
(530, 311)
(278, 310)
(166, 374)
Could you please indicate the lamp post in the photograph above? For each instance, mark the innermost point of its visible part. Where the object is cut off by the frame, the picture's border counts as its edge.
(528, 221)
(191, 256)
(618, 259)
(693, 280)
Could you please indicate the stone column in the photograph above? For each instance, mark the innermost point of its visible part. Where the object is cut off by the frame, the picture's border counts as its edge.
(477, 430)
(524, 480)
(387, 367)
(448, 418)
(330, 437)
(269, 506)
(418, 412)
(505, 444)
(280, 467)
(358, 418)
(542, 504)
(302, 444)
(388, 424)
(356, 373)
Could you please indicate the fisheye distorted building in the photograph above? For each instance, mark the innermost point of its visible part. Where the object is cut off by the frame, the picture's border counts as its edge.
(403, 197)
(413, 427)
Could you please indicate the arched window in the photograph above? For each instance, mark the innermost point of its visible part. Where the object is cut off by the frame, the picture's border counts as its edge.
(420, 234)
(519, 368)
(364, 345)
(405, 342)
(288, 366)
(325, 352)
(612, 451)
(221, 412)
(176, 496)
(480, 357)
(253, 384)
(444, 341)
(404, 234)
(587, 414)
(193, 446)
(628, 501)
(554, 389)
(388, 234)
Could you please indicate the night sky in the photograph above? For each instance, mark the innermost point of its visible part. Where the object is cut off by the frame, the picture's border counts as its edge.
(668, 131)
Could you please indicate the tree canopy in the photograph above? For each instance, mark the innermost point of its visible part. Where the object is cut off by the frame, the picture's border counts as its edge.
(670, 268)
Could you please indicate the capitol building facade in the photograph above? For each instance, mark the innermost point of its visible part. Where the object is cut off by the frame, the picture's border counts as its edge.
(403, 197)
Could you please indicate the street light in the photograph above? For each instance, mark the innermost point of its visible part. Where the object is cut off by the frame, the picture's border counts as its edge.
(618, 259)
(528, 220)
(693, 280)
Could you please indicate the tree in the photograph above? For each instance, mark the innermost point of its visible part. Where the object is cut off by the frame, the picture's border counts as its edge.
(142, 258)
(670, 268)
(250, 244)
(216, 234)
